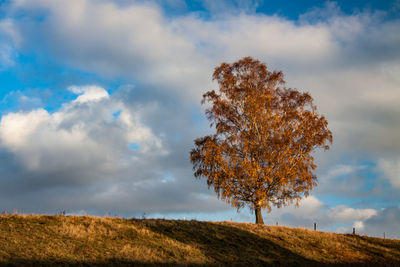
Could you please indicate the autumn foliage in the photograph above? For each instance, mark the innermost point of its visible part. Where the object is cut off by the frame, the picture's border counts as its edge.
(262, 151)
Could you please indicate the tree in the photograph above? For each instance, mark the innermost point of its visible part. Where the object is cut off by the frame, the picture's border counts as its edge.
(261, 154)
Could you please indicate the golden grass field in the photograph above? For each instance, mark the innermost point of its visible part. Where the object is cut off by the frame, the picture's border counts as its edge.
(30, 240)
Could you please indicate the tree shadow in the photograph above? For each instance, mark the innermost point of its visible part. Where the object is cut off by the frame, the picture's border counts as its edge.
(228, 245)
(381, 257)
(90, 263)
(388, 243)
(116, 263)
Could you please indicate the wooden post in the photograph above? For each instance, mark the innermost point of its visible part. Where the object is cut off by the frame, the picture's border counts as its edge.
(354, 231)
(384, 235)
(315, 226)
(276, 223)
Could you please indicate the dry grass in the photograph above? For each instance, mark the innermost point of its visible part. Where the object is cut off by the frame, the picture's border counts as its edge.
(85, 240)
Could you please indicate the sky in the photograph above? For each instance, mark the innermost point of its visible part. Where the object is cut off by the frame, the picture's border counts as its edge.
(100, 104)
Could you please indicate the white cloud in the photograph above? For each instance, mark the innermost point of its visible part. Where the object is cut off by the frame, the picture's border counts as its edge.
(359, 225)
(347, 214)
(391, 170)
(8, 28)
(7, 55)
(15, 128)
(89, 93)
(76, 135)
(308, 207)
(342, 169)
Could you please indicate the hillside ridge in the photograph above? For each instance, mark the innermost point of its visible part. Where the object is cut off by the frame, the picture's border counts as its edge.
(87, 240)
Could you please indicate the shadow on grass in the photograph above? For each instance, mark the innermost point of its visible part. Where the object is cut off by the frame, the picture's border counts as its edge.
(231, 246)
(228, 245)
(21, 263)
(376, 251)
(388, 243)
(31, 263)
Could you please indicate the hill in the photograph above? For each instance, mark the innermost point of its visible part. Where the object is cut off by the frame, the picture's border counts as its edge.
(87, 240)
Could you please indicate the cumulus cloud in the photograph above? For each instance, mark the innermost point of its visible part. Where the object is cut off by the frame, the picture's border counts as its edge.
(89, 93)
(391, 170)
(346, 214)
(76, 135)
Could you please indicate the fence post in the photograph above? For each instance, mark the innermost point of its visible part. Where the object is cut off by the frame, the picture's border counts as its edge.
(384, 235)
(354, 231)
(315, 226)
(276, 223)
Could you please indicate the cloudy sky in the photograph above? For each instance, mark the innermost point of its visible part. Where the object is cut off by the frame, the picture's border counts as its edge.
(100, 104)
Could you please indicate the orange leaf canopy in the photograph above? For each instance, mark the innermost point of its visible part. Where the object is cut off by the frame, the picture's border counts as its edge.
(261, 152)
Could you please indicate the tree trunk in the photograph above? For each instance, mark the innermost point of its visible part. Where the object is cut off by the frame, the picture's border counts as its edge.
(259, 218)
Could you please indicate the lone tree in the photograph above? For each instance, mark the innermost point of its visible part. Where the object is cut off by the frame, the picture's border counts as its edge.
(262, 152)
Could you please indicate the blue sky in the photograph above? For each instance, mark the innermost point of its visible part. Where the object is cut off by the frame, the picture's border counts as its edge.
(100, 103)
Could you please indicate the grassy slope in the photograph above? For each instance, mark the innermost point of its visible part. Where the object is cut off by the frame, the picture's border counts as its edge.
(49, 240)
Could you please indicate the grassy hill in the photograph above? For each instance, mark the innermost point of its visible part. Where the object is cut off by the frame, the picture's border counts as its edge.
(85, 240)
